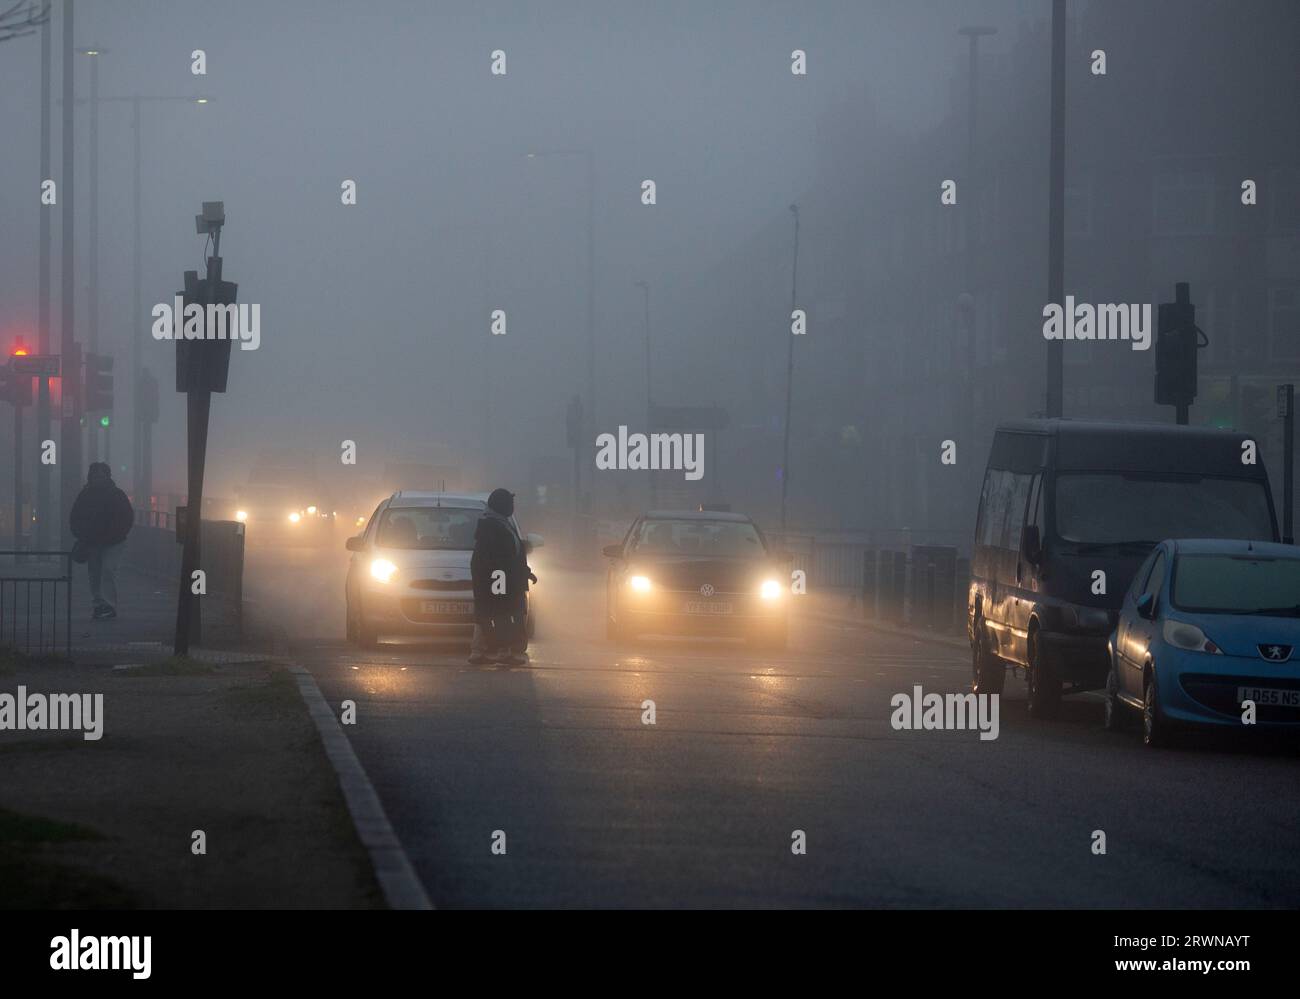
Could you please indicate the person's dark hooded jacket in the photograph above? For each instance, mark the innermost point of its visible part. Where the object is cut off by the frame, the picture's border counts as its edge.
(497, 546)
(101, 515)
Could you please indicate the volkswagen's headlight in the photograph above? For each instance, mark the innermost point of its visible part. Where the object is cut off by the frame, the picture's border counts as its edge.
(639, 584)
(382, 569)
(770, 590)
(1182, 635)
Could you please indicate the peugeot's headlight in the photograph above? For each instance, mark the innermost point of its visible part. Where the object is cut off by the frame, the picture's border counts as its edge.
(1182, 635)
(639, 584)
(382, 569)
(770, 590)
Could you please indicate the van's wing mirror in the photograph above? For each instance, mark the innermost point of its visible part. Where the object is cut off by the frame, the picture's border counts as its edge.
(356, 544)
(1033, 544)
(535, 541)
(612, 551)
(1146, 605)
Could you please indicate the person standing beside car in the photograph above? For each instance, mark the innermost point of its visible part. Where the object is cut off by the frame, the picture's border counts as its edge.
(499, 574)
(100, 520)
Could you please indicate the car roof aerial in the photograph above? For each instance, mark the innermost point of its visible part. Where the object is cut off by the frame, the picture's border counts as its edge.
(735, 518)
(412, 497)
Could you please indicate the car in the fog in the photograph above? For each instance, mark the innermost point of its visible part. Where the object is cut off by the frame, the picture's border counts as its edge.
(409, 571)
(1206, 626)
(696, 572)
(1069, 510)
(283, 502)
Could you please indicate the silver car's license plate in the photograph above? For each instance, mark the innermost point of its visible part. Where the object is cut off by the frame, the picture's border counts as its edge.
(1269, 695)
(446, 607)
(708, 607)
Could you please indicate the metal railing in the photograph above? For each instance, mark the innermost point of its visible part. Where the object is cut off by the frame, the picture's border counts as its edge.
(24, 588)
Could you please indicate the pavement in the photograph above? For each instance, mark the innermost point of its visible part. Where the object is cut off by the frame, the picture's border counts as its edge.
(546, 786)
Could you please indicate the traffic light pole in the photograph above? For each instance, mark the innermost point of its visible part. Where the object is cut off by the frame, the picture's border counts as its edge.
(198, 406)
(18, 472)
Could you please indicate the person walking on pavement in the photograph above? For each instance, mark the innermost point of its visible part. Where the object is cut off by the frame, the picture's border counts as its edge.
(100, 520)
(500, 575)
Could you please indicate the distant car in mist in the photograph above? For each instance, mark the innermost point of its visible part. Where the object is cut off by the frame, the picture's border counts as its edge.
(284, 503)
(409, 572)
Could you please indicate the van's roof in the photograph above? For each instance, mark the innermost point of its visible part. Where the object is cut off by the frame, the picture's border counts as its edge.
(1086, 445)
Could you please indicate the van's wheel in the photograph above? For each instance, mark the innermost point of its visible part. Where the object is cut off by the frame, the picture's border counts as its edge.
(1044, 682)
(988, 674)
(1155, 727)
(1116, 717)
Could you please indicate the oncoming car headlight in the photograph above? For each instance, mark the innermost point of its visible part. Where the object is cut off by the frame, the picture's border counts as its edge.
(770, 590)
(382, 569)
(639, 584)
(1182, 635)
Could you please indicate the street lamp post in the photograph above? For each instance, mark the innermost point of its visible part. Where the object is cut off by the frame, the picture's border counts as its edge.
(649, 387)
(590, 408)
(789, 373)
(92, 268)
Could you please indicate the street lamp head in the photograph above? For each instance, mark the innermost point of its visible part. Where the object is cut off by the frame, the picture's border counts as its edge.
(202, 100)
(91, 51)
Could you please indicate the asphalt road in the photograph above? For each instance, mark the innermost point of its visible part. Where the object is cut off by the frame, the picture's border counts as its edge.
(699, 809)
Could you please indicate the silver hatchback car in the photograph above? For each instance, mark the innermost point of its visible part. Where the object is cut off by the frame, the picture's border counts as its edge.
(409, 571)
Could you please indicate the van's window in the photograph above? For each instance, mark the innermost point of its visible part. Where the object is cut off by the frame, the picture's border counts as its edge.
(1035, 514)
(1237, 584)
(1114, 508)
(1017, 488)
(985, 530)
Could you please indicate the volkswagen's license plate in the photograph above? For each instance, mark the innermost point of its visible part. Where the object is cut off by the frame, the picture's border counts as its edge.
(708, 607)
(446, 607)
(1269, 695)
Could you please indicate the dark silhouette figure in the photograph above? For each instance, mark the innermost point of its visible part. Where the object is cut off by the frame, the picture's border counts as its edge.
(500, 574)
(100, 520)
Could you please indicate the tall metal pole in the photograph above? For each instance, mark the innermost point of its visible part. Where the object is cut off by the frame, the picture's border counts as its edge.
(649, 388)
(789, 373)
(142, 486)
(70, 458)
(92, 297)
(591, 318)
(44, 516)
(1056, 211)
(973, 34)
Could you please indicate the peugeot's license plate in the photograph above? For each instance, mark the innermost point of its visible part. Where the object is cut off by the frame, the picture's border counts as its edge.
(446, 607)
(1269, 695)
(708, 607)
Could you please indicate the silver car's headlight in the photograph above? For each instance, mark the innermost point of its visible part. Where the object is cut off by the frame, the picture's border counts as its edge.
(1182, 635)
(382, 570)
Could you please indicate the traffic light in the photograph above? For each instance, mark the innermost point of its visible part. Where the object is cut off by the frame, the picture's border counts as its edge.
(1176, 345)
(99, 383)
(15, 388)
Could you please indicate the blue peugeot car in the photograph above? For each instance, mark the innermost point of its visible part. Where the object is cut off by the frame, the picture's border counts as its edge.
(1206, 626)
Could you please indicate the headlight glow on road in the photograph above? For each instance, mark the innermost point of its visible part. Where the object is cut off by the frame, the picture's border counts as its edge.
(640, 584)
(382, 569)
(770, 590)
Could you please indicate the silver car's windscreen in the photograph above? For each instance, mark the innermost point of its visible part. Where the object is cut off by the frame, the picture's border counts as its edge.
(428, 528)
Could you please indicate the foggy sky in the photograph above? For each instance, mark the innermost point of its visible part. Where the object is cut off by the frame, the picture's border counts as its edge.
(375, 317)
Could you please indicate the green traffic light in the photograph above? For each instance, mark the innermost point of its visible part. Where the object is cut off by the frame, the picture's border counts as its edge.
(104, 421)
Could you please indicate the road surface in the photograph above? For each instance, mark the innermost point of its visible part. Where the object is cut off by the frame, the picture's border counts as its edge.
(701, 808)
